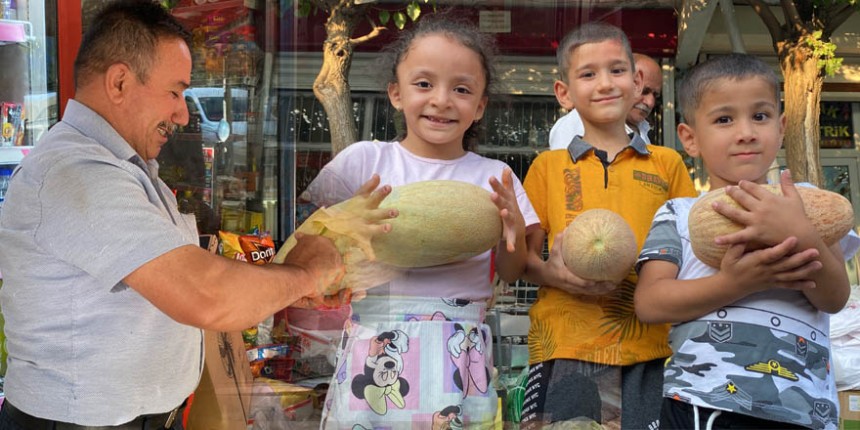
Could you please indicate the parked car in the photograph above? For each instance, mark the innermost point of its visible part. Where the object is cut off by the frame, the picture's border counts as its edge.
(207, 103)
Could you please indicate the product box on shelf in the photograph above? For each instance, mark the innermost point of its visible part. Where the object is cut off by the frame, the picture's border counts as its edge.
(223, 397)
(849, 410)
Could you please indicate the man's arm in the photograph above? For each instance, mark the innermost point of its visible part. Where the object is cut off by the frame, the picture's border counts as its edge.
(201, 289)
(204, 290)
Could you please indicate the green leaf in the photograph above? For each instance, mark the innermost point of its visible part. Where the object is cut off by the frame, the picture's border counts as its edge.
(824, 52)
(384, 16)
(414, 11)
(304, 9)
(399, 20)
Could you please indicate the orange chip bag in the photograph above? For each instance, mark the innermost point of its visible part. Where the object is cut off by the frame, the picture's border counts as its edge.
(255, 249)
(258, 250)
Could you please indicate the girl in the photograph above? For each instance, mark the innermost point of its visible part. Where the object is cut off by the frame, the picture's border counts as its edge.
(416, 349)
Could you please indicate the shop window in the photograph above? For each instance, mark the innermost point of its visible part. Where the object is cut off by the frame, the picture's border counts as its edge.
(520, 122)
(516, 129)
(837, 128)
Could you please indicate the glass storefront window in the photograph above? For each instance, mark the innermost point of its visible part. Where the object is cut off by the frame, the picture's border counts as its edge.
(837, 129)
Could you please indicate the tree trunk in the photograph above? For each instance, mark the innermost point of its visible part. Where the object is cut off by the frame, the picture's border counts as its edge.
(803, 81)
(331, 86)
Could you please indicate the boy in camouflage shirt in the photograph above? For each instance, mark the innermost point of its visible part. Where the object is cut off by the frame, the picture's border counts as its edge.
(750, 340)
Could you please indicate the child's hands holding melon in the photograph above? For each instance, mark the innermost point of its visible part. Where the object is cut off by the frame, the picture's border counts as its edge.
(351, 225)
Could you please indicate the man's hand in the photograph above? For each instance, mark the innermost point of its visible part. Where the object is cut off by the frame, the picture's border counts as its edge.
(318, 257)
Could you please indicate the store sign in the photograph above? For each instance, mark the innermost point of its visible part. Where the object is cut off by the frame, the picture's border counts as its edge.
(836, 128)
(495, 21)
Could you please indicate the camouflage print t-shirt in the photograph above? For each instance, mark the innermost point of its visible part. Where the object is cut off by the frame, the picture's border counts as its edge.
(767, 355)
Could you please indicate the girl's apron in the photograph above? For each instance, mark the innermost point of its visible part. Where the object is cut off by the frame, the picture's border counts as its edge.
(413, 363)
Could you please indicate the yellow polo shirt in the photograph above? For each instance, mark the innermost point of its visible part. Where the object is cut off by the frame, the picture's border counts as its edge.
(600, 329)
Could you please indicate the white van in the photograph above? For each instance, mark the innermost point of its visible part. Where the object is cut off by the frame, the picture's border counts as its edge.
(208, 103)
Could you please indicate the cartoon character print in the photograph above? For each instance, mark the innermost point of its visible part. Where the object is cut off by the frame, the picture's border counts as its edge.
(381, 379)
(437, 316)
(447, 419)
(467, 353)
(457, 303)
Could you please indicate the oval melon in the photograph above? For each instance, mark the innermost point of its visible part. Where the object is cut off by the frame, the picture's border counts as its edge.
(830, 213)
(440, 222)
(599, 245)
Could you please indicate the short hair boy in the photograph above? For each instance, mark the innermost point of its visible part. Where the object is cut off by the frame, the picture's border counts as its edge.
(750, 338)
(585, 342)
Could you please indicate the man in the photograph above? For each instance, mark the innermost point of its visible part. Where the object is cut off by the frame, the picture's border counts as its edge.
(105, 291)
(570, 125)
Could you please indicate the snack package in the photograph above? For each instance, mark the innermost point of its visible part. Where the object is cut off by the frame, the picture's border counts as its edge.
(11, 124)
(271, 361)
(275, 404)
(230, 246)
(257, 249)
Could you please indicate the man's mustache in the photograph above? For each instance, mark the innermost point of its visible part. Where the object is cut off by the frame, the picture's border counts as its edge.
(643, 107)
(168, 127)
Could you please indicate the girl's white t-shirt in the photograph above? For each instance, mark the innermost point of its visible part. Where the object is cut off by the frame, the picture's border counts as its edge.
(352, 167)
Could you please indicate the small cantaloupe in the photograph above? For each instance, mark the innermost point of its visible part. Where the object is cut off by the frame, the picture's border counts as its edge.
(440, 222)
(599, 245)
(830, 213)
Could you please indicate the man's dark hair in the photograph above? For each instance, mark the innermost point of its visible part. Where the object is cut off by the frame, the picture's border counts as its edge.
(126, 31)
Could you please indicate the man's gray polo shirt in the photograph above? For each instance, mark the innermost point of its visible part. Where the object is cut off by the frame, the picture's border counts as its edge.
(81, 214)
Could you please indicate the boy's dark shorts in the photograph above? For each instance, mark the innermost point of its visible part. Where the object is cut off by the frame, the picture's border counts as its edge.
(571, 390)
(677, 415)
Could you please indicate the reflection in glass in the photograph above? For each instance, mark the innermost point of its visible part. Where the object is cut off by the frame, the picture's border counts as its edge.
(836, 179)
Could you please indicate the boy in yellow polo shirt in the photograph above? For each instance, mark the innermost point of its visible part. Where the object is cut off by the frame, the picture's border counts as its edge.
(591, 359)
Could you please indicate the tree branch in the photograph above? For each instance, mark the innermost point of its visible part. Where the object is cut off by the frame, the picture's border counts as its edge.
(792, 16)
(836, 16)
(324, 4)
(763, 11)
(373, 33)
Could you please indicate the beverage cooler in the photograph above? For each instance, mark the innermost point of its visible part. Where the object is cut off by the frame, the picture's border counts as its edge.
(28, 80)
(28, 91)
(223, 164)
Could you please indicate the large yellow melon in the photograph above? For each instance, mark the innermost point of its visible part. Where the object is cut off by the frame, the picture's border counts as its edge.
(599, 245)
(440, 222)
(830, 213)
